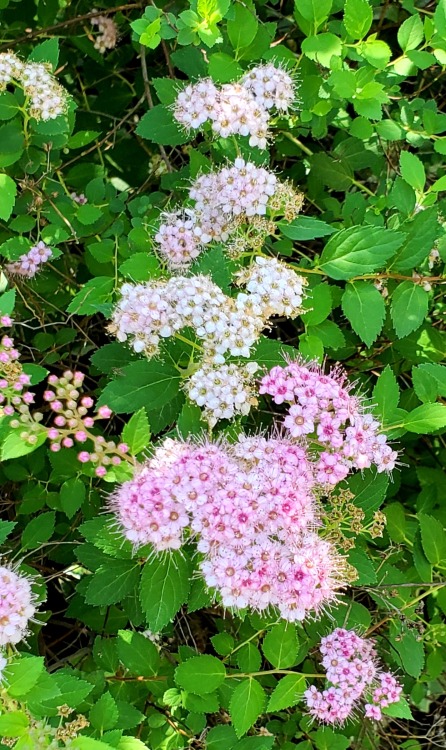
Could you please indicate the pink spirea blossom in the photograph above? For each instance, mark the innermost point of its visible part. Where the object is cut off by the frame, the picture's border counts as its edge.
(17, 606)
(252, 508)
(30, 263)
(323, 406)
(354, 680)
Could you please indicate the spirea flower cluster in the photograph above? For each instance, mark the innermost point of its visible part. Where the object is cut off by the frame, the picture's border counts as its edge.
(240, 108)
(31, 262)
(73, 423)
(323, 406)
(108, 33)
(253, 510)
(354, 679)
(47, 98)
(13, 381)
(17, 606)
(227, 326)
(226, 201)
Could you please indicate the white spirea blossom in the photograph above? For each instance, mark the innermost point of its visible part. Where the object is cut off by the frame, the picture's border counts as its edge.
(274, 287)
(48, 97)
(108, 33)
(223, 390)
(240, 108)
(178, 239)
(271, 86)
(17, 606)
(11, 68)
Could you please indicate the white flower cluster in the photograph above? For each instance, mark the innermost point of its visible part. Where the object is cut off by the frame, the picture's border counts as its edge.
(108, 33)
(227, 326)
(48, 98)
(225, 200)
(240, 108)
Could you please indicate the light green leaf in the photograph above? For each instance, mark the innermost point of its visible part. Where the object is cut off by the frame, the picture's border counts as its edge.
(322, 48)
(247, 703)
(358, 16)
(104, 713)
(411, 33)
(359, 250)
(412, 170)
(305, 228)
(426, 419)
(364, 307)
(313, 11)
(136, 433)
(409, 308)
(22, 674)
(8, 192)
(242, 28)
(72, 494)
(287, 693)
(200, 674)
(13, 724)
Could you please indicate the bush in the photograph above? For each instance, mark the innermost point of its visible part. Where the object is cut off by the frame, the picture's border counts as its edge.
(222, 247)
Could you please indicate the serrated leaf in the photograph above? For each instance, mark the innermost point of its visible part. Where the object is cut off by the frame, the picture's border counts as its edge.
(433, 538)
(247, 703)
(287, 693)
(8, 192)
(158, 126)
(359, 250)
(104, 713)
(412, 170)
(200, 674)
(242, 28)
(92, 296)
(364, 307)
(136, 433)
(421, 233)
(305, 228)
(13, 724)
(72, 494)
(142, 384)
(5, 529)
(429, 381)
(400, 710)
(38, 530)
(22, 674)
(280, 645)
(369, 490)
(426, 419)
(386, 394)
(358, 16)
(14, 446)
(411, 33)
(408, 308)
(137, 653)
(165, 585)
(362, 563)
(112, 582)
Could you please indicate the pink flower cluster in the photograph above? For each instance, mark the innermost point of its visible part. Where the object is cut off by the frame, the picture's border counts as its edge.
(225, 200)
(13, 380)
(323, 409)
(73, 424)
(30, 263)
(240, 108)
(17, 606)
(354, 680)
(252, 507)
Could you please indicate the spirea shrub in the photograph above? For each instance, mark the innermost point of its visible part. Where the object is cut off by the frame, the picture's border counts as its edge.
(222, 379)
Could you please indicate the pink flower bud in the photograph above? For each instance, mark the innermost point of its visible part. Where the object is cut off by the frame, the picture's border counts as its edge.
(53, 379)
(83, 457)
(123, 448)
(116, 460)
(81, 436)
(49, 396)
(104, 412)
(100, 471)
(53, 434)
(28, 398)
(67, 442)
(5, 320)
(60, 421)
(87, 402)
(56, 405)
(88, 422)
(8, 411)
(55, 447)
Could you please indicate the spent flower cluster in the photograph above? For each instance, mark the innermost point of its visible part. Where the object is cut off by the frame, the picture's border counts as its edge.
(227, 326)
(108, 33)
(253, 510)
(322, 406)
(47, 98)
(354, 680)
(227, 202)
(239, 108)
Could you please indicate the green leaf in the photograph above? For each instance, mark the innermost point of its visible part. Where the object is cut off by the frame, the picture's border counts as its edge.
(92, 296)
(22, 674)
(429, 381)
(322, 48)
(137, 653)
(364, 307)
(358, 16)
(165, 585)
(200, 674)
(8, 192)
(280, 645)
(47, 51)
(14, 446)
(7, 302)
(409, 649)
(142, 384)
(318, 305)
(288, 692)
(223, 68)
(326, 738)
(400, 710)
(369, 489)
(104, 713)
(376, 52)
(426, 419)
(5, 529)
(72, 494)
(136, 433)
(411, 33)
(409, 308)
(421, 233)
(140, 267)
(361, 562)
(38, 530)
(359, 250)
(305, 228)
(433, 538)
(412, 170)
(8, 106)
(112, 582)
(159, 126)
(13, 724)
(247, 703)
(386, 394)
(88, 214)
(242, 28)
(313, 11)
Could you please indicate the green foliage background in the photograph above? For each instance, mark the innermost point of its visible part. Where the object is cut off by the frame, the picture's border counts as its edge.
(366, 145)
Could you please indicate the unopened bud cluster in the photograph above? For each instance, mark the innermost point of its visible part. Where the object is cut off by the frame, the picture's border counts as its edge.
(73, 423)
(30, 263)
(48, 99)
(240, 108)
(253, 509)
(227, 326)
(14, 396)
(227, 202)
(355, 681)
